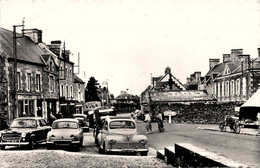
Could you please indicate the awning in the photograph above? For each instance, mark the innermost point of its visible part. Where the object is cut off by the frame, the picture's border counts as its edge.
(251, 107)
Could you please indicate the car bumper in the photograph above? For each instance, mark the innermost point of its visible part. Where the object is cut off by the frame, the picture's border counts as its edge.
(63, 143)
(6, 143)
(128, 150)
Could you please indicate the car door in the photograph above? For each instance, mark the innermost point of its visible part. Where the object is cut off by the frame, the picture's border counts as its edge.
(45, 128)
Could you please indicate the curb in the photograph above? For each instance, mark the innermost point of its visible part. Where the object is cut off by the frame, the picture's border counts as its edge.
(217, 130)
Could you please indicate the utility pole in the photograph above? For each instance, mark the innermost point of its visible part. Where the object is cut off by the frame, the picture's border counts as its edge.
(15, 66)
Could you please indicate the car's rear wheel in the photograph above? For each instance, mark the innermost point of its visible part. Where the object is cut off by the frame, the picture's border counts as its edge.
(2, 147)
(143, 153)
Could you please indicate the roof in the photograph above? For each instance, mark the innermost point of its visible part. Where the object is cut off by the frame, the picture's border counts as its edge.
(162, 81)
(67, 119)
(181, 96)
(77, 79)
(27, 50)
(253, 101)
(124, 96)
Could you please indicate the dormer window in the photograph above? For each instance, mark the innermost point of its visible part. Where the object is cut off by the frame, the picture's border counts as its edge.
(227, 71)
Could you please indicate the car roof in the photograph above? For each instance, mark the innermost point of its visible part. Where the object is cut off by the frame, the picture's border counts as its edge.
(112, 118)
(67, 119)
(35, 118)
(80, 115)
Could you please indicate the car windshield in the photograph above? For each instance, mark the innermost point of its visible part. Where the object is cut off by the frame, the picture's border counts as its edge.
(24, 123)
(122, 125)
(65, 124)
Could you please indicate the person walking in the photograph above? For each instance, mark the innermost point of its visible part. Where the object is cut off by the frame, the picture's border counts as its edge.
(147, 120)
(160, 121)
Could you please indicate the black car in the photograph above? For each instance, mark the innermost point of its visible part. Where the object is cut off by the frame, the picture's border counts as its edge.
(25, 131)
(83, 119)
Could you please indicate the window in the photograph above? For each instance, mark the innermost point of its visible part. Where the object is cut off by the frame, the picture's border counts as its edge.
(223, 89)
(28, 81)
(51, 67)
(38, 82)
(18, 81)
(61, 72)
(232, 88)
(227, 88)
(238, 87)
(71, 91)
(51, 83)
(67, 91)
(61, 91)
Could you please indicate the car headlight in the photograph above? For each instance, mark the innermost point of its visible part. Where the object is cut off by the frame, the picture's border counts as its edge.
(143, 141)
(72, 137)
(112, 142)
(23, 134)
(52, 136)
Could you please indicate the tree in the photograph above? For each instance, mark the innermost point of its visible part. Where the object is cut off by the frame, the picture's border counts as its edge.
(92, 90)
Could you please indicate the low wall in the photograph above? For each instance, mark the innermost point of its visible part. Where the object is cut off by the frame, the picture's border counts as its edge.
(199, 113)
(187, 155)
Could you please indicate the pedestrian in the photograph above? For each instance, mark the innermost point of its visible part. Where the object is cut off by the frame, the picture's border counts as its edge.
(160, 121)
(147, 120)
(4, 124)
(258, 122)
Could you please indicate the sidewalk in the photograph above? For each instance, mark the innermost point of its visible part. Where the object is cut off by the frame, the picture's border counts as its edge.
(214, 127)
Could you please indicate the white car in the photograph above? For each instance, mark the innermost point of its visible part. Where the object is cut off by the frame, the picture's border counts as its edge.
(65, 132)
(119, 134)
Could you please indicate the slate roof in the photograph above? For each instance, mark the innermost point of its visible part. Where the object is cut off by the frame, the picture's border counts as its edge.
(77, 79)
(181, 96)
(27, 50)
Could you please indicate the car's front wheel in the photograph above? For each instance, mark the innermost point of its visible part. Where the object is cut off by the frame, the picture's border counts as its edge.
(2, 147)
(32, 145)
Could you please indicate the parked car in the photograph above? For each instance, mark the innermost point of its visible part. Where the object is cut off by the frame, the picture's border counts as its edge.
(65, 132)
(83, 119)
(25, 131)
(119, 134)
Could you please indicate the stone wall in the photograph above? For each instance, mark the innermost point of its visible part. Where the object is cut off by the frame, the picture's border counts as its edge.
(200, 113)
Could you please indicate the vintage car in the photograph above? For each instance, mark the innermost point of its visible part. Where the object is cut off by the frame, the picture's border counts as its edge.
(65, 132)
(25, 131)
(119, 134)
(83, 119)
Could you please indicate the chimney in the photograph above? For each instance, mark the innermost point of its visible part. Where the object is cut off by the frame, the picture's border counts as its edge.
(226, 57)
(213, 62)
(258, 52)
(188, 80)
(245, 61)
(197, 76)
(235, 53)
(34, 34)
(55, 47)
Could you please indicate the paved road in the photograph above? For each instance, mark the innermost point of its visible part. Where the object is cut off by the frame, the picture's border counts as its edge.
(239, 147)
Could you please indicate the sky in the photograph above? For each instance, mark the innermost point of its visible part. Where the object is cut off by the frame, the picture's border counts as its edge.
(125, 42)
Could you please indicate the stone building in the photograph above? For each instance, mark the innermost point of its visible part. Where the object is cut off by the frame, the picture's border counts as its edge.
(79, 95)
(44, 82)
(233, 80)
(28, 91)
